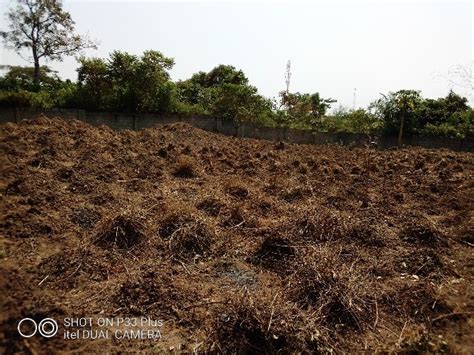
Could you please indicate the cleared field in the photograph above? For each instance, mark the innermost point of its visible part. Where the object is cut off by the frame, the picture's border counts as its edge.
(238, 245)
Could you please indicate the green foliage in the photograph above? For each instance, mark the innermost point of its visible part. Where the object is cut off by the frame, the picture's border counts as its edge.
(438, 111)
(458, 125)
(358, 121)
(39, 100)
(20, 98)
(392, 108)
(94, 86)
(280, 118)
(18, 89)
(224, 74)
(22, 78)
(130, 83)
(137, 83)
(127, 83)
(225, 92)
(42, 99)
(304, 110)
(238, 102)
(201, 88)
(449, 116)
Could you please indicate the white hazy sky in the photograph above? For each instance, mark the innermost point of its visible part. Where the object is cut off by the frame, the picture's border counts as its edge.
(334, 47)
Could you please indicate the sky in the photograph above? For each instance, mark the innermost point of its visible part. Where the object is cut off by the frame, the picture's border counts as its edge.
(334, 47)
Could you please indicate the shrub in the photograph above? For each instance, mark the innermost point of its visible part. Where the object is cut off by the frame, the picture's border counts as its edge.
(459, 125)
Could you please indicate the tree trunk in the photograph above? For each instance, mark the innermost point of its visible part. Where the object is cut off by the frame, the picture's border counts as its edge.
(36, 75)
(400, 132)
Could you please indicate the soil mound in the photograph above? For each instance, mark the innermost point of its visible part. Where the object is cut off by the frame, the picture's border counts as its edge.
(122, 232)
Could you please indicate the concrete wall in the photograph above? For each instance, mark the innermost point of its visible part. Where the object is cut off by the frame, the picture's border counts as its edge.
(127, 121)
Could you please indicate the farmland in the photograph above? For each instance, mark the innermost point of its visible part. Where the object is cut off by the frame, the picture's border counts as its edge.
(236, 244)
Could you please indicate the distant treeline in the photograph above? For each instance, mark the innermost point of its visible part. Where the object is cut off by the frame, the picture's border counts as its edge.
(136, 84)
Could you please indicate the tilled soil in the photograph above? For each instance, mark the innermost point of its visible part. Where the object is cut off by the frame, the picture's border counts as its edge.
(237, 245)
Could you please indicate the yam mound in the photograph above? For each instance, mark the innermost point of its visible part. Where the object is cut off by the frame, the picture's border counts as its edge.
(66, 269)
(322, 226)
(187, 237)
(255, 326)
(422, 233)
(274, 251)
(210, 206)
(338, 300)
(122, 232)
(419, 301)
(150, 294)
(185, 168)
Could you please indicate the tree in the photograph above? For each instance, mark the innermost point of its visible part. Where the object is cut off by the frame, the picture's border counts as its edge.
(45, 28)
(21, 78)
(399, 110)
(458, 125)
(240, 103)
(17, 89)
(306, 108)
(135, 80)
(225, 92)
(438, 111)
(354, 121)
(126, 82)
(196, 89)
(94, 84)
(405, 100)
(406, 111)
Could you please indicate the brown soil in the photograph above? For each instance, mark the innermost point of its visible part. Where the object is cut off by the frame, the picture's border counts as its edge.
(238, 245)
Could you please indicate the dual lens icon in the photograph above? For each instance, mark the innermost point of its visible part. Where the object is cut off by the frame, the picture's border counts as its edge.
(28, 327)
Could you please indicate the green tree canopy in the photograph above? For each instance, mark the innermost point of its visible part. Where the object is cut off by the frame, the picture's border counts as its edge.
(308, 109)
(225, 92)
(22, 78)
(397, 106)
(438, 111)
(126, 82)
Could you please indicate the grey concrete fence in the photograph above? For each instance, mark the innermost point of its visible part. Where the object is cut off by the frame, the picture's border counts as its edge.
(122, 121)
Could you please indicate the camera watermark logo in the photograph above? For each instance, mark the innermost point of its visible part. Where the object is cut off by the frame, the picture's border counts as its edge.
(28, 327)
